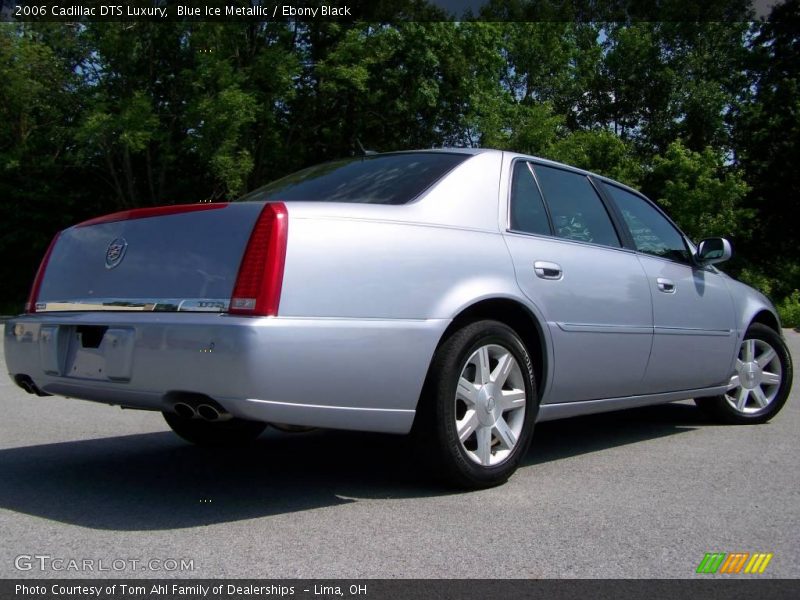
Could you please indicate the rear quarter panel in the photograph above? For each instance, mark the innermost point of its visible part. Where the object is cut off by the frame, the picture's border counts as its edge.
(425, 260)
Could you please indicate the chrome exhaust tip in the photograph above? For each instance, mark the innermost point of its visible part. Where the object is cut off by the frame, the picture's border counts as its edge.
(212, 413)
(185, 411)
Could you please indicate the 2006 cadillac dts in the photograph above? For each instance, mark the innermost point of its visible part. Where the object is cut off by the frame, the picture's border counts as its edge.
(466, 293)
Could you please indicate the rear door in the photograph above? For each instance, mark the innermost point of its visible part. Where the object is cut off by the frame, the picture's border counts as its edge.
(570, 262)
(693, 313)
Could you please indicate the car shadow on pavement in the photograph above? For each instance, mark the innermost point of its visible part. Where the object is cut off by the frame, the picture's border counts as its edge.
(571, 437)
(154, 481)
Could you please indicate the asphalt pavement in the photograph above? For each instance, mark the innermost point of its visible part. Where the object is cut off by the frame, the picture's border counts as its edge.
(634, 494)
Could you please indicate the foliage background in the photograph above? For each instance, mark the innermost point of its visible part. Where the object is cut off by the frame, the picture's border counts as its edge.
(704, 117)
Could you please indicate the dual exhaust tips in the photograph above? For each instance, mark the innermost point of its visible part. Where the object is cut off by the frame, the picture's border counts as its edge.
(205, 411)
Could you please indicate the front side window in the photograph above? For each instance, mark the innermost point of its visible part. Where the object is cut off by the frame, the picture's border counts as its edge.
(527, 207)
(652, 233)
(576, 209)
(380, 179)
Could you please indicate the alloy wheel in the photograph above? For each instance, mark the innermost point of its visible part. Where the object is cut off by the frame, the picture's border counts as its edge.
(758, 377)
(490, 405)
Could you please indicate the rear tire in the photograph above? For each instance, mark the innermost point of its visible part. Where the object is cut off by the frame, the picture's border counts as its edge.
(233, 432)
(479, 406)
(760, 385)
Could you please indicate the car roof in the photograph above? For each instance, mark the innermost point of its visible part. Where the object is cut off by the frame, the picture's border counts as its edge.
(513, 155)
(476, 151)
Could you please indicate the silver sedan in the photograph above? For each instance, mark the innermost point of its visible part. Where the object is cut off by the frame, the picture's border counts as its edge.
(459, 295)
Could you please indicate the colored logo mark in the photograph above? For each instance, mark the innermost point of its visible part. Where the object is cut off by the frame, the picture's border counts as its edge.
(734, 562)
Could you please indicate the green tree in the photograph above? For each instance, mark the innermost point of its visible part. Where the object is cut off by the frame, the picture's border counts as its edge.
(99, 116)
(600, 151)
(701, 193)
(662, 81)
(135, 97)
(767, 145)
(40, 187)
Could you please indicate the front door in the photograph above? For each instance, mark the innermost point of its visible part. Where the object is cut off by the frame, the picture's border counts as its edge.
(693, 313)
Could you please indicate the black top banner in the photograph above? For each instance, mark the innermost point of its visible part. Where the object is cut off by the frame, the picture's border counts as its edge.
(384, 10)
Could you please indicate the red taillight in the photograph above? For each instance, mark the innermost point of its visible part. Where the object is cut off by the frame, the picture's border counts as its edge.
(258, 284)
(30, 305)
(152, 211)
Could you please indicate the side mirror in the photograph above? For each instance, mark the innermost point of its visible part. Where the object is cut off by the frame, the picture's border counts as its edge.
(713, 250)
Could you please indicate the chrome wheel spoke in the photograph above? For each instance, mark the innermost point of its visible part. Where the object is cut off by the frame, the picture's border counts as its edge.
(467, 425)
(484, 371)
(770, 378)
(766, 357)
(511, 399)
(741, 398)
(748, 350)
(759, 396)
(484, 450)
(504, 365)
(467, 392)
(507, 438)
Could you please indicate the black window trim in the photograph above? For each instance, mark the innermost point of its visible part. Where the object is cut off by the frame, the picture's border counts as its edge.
(510, 229)
(624, 233)
(608, 182)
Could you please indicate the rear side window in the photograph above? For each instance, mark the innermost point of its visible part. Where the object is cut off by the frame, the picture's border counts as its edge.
(652, 233)
(527, 207)
(576, 209)
(381, 179)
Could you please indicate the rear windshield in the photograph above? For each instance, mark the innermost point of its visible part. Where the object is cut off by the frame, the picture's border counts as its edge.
(379, 179)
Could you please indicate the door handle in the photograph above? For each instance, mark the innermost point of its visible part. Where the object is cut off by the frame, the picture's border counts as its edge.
(547, 270)
(666, 285)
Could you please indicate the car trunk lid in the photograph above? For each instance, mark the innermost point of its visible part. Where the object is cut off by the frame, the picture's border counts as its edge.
(171, 258)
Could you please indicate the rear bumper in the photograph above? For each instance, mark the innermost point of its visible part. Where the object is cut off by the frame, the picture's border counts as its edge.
(340, 373)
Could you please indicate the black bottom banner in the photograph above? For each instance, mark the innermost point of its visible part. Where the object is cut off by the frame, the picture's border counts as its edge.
(397, 589)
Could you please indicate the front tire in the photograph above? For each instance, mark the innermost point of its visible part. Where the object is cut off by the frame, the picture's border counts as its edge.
(233, 432)
(761, 384)
(479, 405)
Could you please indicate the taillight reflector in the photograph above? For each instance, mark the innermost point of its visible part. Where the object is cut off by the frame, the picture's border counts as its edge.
(30, 305)
(258, 284)
(152, 211)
